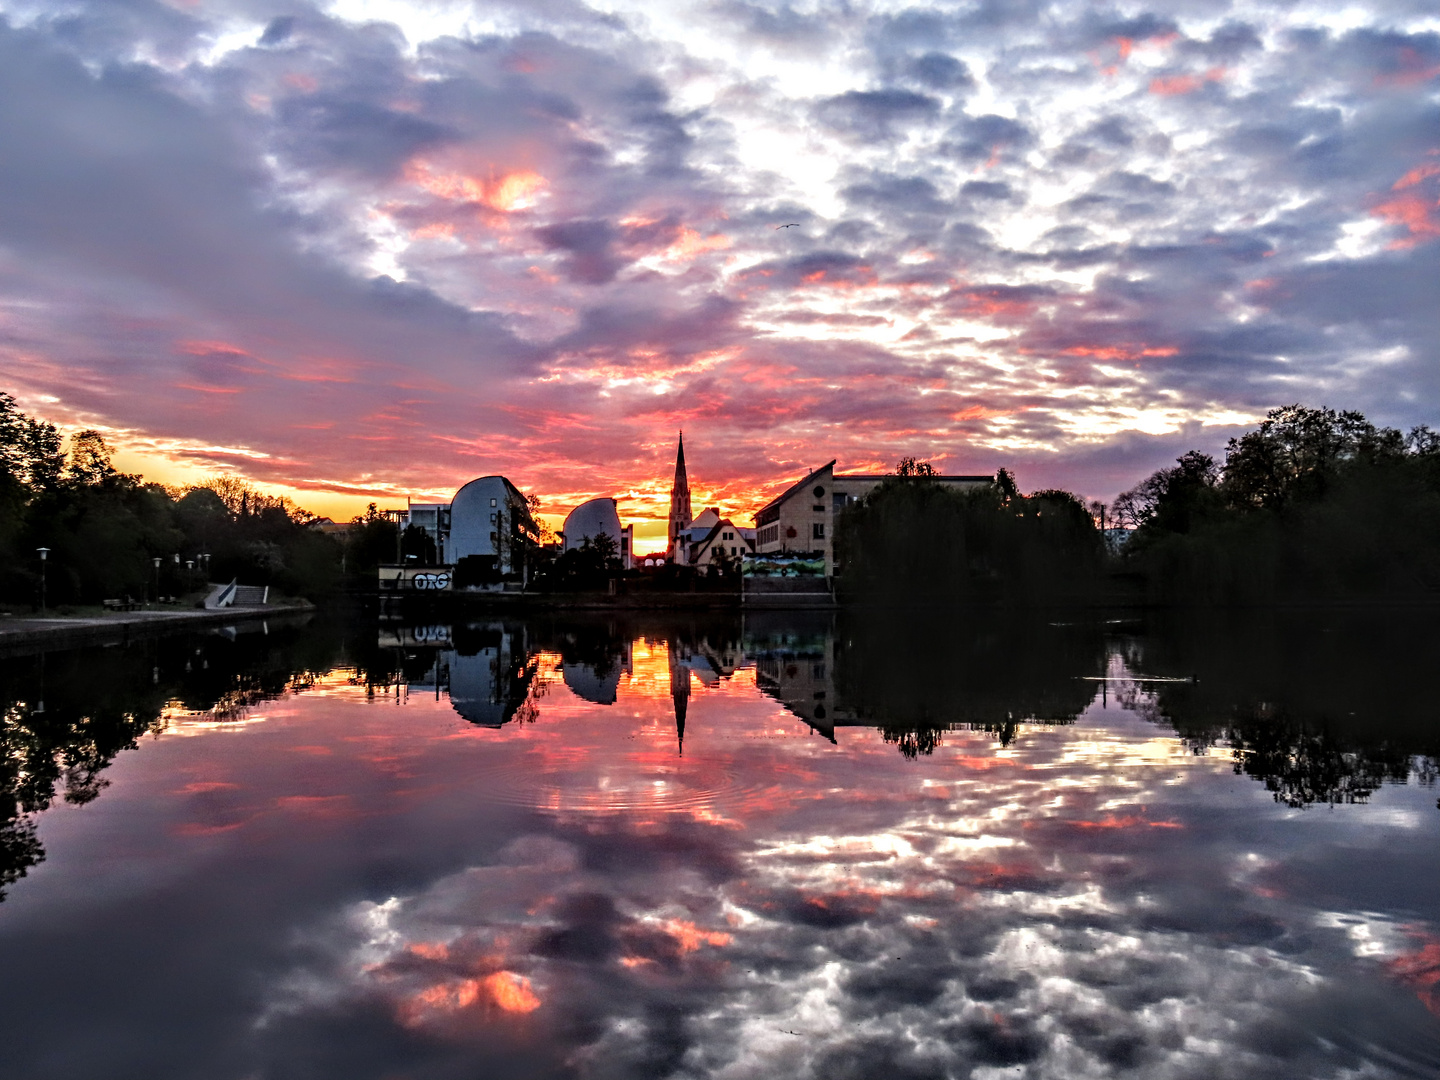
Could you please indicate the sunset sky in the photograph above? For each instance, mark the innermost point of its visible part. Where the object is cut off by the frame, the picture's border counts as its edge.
(369, 249)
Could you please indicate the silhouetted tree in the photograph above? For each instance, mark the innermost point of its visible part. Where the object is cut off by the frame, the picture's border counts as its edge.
(914, 540)
(1312, 504)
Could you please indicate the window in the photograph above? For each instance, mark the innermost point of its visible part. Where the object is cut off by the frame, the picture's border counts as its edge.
(492, 502)
(818, 508)
(819, 492)
(817, 531)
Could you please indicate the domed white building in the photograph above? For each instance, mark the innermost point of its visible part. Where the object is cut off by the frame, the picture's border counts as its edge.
(597, 516)
(490, 518)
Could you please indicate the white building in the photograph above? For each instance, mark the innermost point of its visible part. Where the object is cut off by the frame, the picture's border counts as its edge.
(723, 541)
(801, 519)
(590, 519)
(488, 518)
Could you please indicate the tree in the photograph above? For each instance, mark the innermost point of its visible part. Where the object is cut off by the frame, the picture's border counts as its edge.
(1294, 514)
(30, 454)
(910, 467)
(89, 464)
(927, 543)
(1296, 450)
(1169, 498)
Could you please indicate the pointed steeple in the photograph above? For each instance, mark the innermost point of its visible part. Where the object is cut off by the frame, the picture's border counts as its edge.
(679, 497)
(679, 693)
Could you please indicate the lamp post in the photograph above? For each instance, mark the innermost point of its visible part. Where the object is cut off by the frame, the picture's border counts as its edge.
(44, 554)
(156, 561)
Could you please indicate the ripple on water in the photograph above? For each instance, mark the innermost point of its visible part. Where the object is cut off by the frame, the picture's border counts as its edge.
(588, 790)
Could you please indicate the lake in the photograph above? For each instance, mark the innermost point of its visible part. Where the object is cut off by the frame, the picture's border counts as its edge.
(880, 844)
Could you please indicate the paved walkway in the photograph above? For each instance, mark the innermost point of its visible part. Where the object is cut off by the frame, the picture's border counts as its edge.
(60, 632)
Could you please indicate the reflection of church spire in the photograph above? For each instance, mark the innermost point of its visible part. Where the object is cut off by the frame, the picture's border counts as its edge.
(679, 497)
(679, 693)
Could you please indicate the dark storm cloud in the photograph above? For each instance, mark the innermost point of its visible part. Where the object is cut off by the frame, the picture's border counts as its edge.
(876, 114)
(903, 194)
(938, 71)
(588, 247)
(979, 138)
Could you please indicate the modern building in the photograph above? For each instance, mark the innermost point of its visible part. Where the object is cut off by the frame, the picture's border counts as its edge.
(434, 518)
(590, 519)
(488, 518)
(801, 519)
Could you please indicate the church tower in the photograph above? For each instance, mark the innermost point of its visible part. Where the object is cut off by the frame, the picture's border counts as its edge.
(679, 498)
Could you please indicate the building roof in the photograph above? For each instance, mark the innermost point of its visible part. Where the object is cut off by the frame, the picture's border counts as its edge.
(709, 537)
(793, 488)
(983, 478)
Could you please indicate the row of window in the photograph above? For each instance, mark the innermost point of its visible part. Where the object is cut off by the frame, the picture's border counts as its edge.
(771, 533)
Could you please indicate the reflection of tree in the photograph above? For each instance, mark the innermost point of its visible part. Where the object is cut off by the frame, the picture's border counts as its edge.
(1320, 709)
(917, 675)
(67, 715)
(912, 742)
(44, 752)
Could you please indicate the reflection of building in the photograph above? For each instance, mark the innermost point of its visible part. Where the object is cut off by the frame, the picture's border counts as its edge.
(802, 517)
(591, 519)
(802, 678)
(487, 668)
(598, 682)
(679, 692)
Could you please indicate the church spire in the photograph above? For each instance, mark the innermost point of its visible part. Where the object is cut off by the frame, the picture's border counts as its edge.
(679, 498)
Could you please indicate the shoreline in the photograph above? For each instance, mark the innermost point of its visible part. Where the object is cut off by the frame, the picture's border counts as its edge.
(22, 633)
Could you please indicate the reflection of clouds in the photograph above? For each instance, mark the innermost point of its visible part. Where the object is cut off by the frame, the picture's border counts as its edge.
(571, 897)
(1058, 908)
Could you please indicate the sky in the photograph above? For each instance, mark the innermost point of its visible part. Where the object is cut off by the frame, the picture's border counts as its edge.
(369, 249)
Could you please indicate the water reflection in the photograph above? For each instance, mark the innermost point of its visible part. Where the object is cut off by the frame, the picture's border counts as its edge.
(690, 848)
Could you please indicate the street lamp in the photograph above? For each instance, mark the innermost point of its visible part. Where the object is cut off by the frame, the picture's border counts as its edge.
(156, 561)
(44, 554)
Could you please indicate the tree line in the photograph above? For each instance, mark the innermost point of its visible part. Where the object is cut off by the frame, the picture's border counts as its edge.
(103, 529)
(1312, 505)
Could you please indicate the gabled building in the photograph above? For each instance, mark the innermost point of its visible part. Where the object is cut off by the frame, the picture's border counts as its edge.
(722, 541)
(801, 519)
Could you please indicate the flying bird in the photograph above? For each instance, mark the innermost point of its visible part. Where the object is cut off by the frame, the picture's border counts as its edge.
(792, 225)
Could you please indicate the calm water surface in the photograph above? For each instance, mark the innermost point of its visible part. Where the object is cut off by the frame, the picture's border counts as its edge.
(807, 847)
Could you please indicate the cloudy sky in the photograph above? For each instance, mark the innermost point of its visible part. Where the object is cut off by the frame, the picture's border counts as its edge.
(372, 248)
